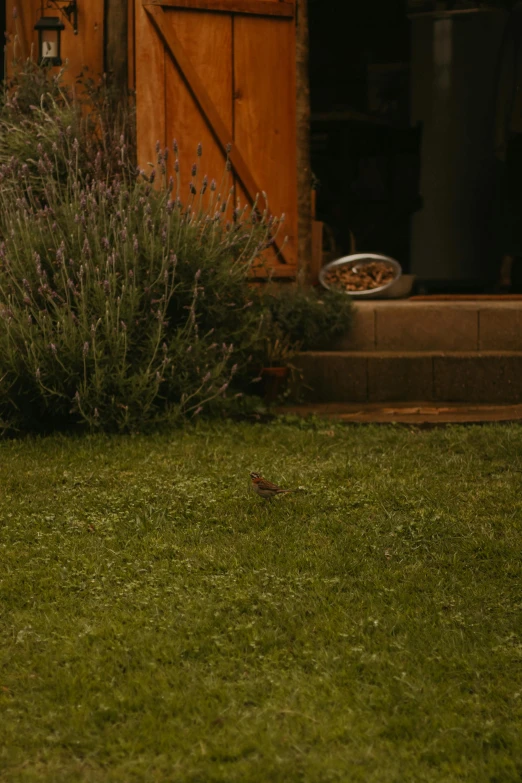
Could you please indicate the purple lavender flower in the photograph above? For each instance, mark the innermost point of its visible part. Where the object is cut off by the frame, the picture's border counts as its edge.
(175, 146)
(85, 348)
(200, 150)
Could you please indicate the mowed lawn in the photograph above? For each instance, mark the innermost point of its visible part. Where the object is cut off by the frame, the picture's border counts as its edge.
(161, 623)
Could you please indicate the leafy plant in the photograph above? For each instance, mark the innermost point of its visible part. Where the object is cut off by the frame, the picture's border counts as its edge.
(122, 304)
(40, 115)
(311, 318)
(125, 301)
(279, 350)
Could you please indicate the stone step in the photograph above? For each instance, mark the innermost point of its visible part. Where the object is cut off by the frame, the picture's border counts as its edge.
(493, 377)
(406, 325)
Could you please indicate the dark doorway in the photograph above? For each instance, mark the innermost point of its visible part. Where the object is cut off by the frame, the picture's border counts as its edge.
(404, 99)
(365, 154)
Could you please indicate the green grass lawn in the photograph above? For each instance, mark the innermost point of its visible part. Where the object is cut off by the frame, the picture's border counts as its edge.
(159, 622)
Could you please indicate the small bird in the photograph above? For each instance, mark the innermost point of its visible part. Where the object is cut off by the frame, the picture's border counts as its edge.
(266, 489)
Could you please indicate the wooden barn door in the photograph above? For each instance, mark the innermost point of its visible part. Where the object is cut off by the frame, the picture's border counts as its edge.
(220, 72)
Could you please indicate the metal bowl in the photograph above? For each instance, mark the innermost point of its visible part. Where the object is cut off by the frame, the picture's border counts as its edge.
(359, 259)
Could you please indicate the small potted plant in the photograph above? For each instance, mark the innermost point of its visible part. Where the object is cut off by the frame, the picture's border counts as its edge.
(279, 352)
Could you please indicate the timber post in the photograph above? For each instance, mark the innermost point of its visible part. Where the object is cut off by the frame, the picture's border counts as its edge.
(115, 48)
(304, 172)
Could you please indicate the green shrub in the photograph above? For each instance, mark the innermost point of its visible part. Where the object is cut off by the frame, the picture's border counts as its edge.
(124, 302)
(122, 305)
(310, 318)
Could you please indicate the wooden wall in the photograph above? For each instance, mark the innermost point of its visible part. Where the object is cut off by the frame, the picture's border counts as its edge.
(219, 72)
(84, 49)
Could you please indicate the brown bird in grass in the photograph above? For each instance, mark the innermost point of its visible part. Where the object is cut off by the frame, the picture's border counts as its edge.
(266, 489)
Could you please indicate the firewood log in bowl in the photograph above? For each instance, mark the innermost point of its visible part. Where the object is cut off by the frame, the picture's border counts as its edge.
(361, 274)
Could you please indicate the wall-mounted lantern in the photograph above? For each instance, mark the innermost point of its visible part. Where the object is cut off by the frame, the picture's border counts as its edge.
(50, 28)
(49, 34)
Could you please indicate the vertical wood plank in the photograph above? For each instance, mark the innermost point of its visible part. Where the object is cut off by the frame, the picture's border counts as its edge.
(116, 45)
(264, 113)
(304, 165)
(150, 89)
(207, 41)
(19, 27)
(86, 48)
(131, 75)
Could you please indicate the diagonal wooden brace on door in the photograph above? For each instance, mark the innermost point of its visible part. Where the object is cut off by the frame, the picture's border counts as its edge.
(282, 9)
(208, 109)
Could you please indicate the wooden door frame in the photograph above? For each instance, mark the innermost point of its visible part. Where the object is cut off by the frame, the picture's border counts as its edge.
(156, 13)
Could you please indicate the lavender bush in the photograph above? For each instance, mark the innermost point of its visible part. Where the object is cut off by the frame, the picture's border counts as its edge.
(37, 107)
(122, 303)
